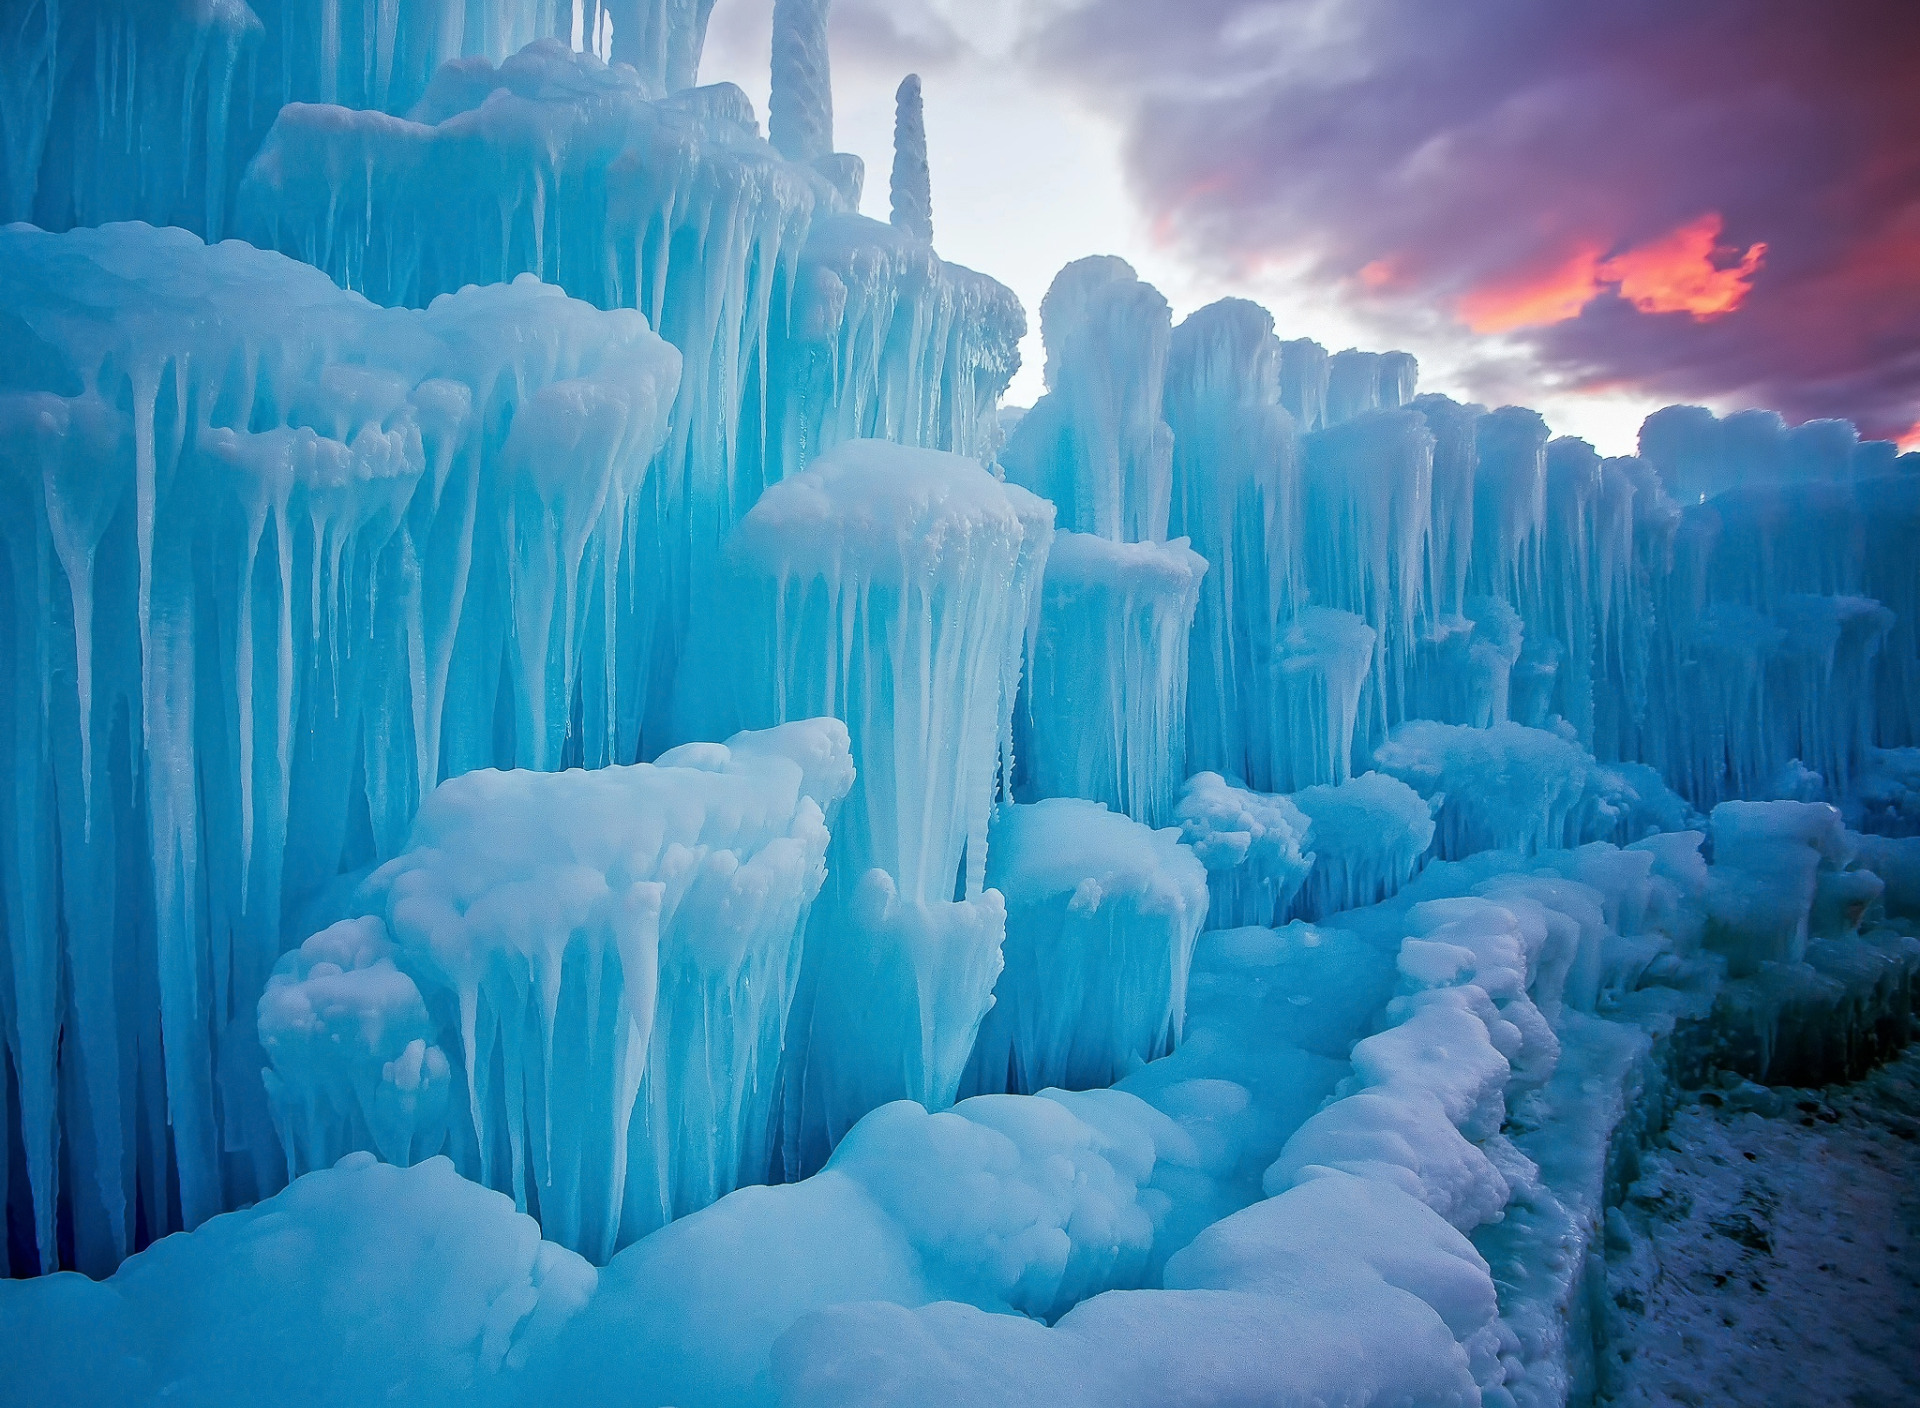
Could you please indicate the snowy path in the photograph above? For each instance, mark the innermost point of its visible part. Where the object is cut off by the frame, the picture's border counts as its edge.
(1770, 1252)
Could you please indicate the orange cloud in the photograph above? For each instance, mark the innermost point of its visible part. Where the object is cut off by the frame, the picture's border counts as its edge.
(1681, 272)
(1911, 440)
(1536, 300)
(1686, 270)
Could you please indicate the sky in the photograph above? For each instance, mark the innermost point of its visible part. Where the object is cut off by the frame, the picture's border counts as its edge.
(1592, 209)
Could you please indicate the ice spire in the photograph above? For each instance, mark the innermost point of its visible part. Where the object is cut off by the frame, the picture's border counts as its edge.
(800, 104)
(912, 180)
(663, 39)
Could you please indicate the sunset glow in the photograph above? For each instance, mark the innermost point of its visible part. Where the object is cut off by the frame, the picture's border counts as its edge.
(1686, 270)
(1911, 440)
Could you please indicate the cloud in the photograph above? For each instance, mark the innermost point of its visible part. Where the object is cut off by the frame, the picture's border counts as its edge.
(1718, 199)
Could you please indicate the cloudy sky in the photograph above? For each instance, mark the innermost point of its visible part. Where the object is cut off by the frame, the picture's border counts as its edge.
(1591, 208)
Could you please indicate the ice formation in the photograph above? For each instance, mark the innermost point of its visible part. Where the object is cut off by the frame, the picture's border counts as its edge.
(1253, 845)
(265, 543)
(1102, 914)
(606, 958)
(1104, 715)
(889, 587)
(359, 971)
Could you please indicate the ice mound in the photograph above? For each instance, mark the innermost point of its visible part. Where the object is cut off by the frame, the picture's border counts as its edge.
(606, 959)
(1769, 859)
(358, 1284)
(889, 587)
(1370, 835)
(1102, 914)
(1253, 845)
(298, 558)
(1019, 1206)
(1508, 787)
(1105, 712)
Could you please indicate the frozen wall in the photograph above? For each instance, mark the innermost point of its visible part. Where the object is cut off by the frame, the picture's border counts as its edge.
(272, 562)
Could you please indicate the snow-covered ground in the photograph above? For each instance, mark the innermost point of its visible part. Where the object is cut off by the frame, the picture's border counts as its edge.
(1770, 1251)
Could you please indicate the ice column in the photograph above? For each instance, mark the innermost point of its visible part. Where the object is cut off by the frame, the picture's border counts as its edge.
(1105, 708)
(578, 982)
(800, 104)
(1095, 443)
(1369, 492)
(1361, 382)
(884, 586)
(1236, 498)
(1303, 382)
(1102, 914)
(912, 181)
(663, 39)
(885, 340)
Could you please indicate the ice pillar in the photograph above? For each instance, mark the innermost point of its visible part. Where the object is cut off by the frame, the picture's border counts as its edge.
(884, 586)
(1096, 443)
(1102, 914)
(663, 39)
(1105, 717)
(912, 181)
(1236, 498)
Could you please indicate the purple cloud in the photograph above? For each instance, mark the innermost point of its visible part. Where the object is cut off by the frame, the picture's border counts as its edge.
(1715, 199)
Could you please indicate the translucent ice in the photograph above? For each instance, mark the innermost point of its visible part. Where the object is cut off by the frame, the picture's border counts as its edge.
(1102, 914)
(1095, 444)
(1237, 499)
(1104, 716)
(278, 560)
(1253, 845)
(606, 958)
(888, 587)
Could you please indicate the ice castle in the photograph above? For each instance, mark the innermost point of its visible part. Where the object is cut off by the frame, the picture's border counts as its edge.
(587, 819)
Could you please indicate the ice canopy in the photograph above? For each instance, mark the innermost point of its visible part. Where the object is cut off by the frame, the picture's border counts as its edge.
(588, 817)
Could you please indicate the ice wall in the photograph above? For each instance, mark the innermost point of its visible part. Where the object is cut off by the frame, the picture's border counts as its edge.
(1104, 714)
(888, 587)
(1237, 500)
(150, 109)
(576, 984)
(800, 327)
(1102, 914)
(272, 562)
